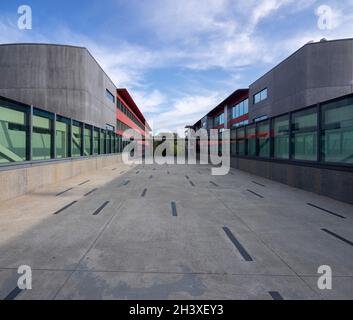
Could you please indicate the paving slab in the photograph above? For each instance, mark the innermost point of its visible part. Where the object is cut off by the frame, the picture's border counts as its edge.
(175, 232)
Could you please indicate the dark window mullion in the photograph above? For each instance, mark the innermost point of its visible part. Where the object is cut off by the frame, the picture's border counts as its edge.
(53, 138)
(319, 140)
(29, 150)
(291, 136)
(82, 139)
(272, 141)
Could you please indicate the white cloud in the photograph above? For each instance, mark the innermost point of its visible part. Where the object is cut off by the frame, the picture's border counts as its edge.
(174, 20)
(187, 110)
(263, 9)
(194, 35)
(10, 33)
(216, 33)
(125, 63)
(149, 102)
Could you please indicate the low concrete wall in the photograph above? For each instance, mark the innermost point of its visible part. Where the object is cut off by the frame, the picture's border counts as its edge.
(18, 180)
(327, 182)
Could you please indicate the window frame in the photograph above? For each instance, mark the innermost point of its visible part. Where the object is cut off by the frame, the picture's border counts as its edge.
(67, 121)
(305, 112)
(52, 133)
(79, 125)
(110, 96)
(258, 97)
(266, 122)
(27, 111)
(287, 117)
(323, 128)
(90, 130)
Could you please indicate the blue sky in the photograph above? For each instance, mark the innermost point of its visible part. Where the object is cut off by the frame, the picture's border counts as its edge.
(179, 58)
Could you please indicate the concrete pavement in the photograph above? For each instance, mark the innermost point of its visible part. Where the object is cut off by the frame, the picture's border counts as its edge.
(175, 232)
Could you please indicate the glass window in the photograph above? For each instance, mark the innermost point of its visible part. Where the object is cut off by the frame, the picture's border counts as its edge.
(96, 141)
(261, 118)
(251, 136)
(109, 142)
(281, 137)
(241, 106)
(120, 144)
(13, 131)
(117, 144)
(113, 142)
(257, 98)
(219, 120)
(103, 143)
(337, 131)
(233, 142)
(110, 96)
(305, 135)
(262, 95)
(76, 139)
(246, 106)
(87, 144)
(41, 136)
(62, 137)
(237, 111)
(241, 141)
(263, 136)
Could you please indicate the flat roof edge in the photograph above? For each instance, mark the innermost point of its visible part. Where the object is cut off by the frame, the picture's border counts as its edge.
(41, 44)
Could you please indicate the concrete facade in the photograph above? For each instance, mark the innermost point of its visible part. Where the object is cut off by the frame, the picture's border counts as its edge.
(20, 180)
(61, 79)
(315, 73)
(327, 182)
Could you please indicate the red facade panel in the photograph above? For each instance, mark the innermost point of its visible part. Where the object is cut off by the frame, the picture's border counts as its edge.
(124, 97)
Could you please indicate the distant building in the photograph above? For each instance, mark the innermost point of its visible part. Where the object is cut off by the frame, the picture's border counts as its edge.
(295, 123)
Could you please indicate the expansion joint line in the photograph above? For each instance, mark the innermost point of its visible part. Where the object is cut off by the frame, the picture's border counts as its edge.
(267, 245)
(89, 248)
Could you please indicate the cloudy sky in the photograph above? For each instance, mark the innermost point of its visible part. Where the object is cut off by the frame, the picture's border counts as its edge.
(179, 58)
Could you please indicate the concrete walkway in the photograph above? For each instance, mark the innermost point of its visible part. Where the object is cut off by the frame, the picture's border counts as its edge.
(175, 232)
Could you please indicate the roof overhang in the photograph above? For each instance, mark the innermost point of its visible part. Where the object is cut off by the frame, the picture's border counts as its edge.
(125, 95)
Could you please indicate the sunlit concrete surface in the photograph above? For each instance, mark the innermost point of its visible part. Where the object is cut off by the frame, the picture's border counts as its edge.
(166, 233)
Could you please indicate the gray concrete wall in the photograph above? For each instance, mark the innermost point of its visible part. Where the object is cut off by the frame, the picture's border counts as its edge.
(317, 72)
(327, 182)
(21, 180)
(62, 79)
